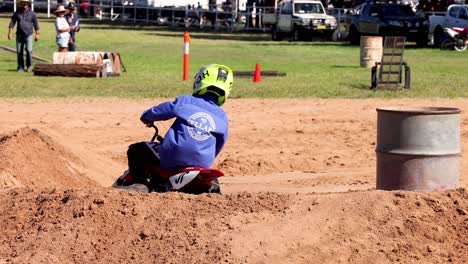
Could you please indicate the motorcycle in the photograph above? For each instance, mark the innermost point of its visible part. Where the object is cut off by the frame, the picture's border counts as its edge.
(193, 180)
(457, 39)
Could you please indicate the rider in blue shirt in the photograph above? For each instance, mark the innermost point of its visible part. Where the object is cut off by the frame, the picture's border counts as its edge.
(200, 129)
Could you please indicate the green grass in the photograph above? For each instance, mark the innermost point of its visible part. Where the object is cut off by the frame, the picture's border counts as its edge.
(153, 58)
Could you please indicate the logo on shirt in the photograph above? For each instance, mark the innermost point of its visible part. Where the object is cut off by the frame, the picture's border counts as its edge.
(201, 125)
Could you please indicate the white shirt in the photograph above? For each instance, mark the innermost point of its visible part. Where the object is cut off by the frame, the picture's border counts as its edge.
(61, 23)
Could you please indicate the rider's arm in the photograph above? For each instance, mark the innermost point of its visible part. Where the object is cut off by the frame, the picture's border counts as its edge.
(35, 23)
(77, 23)
(160, 112)
(221, 141)
(219, 146)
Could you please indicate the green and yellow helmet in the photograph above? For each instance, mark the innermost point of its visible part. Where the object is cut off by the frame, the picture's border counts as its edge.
(214, 79)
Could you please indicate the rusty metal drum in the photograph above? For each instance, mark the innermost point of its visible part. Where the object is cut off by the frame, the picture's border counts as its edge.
(418, 148)
(371, 50)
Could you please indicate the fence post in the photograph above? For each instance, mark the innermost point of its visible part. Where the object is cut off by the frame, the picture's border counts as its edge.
(100, 10)
(147, 14)
(186, 20)
(173, 17)
(200, 18)
(112, 11)
(216, 18)
(339, 24)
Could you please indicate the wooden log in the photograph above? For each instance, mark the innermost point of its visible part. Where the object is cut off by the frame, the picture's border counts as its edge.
(112, 61)
(262, 73)
(117, 62)
(77, 57)
(70, 70)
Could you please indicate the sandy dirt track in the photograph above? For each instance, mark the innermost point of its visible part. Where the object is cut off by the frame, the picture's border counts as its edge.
(300, 188)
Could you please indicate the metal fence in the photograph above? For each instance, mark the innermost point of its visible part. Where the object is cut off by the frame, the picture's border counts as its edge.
(217, 17)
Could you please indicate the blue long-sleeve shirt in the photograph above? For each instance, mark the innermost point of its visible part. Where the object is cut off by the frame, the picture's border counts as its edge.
(197, 135)
(26, 21)
(74, 22)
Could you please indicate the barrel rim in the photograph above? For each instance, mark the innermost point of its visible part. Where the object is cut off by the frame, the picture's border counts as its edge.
(417, 152)
(422, 110)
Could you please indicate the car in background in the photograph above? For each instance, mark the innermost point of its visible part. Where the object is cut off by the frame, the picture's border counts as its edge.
(6, 5)
(300, 19)
(455, 16)
(386, 19)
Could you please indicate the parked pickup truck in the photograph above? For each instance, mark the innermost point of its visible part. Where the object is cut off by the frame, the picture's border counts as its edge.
(385, 19)
(300, 19)
(455, 16)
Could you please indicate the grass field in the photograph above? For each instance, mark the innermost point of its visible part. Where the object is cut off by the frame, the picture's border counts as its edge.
(153, 58)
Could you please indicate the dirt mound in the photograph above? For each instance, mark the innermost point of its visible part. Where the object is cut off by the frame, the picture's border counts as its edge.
(315, 156)
(30, 158)
(112, 226)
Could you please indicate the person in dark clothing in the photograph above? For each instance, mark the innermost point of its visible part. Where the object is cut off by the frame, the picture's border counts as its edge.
(74, 21)
(26, 20)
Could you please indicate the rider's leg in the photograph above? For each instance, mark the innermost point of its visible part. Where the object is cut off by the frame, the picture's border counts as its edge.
(140, 157)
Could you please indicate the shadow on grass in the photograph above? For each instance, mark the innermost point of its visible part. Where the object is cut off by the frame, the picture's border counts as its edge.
(346, 66)
(250, 36)
(361, 87)
(321, 43)
(219, 36)
(204, 33)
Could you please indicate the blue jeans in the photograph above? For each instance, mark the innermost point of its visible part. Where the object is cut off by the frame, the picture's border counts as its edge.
(72, 47)
(22, 43)
(72, 37)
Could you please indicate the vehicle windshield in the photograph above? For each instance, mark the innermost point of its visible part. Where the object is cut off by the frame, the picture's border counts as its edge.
(308, 8)
(397, 11)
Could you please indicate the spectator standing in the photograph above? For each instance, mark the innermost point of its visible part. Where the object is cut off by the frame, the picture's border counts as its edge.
(62, 29)
(74, 21)
(26, 20)
(211, 15)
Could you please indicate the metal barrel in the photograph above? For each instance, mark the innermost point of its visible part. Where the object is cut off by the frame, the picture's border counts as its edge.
(418, 148)
(371, 50)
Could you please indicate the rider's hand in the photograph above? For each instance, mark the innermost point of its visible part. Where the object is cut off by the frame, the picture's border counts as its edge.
(148, 123)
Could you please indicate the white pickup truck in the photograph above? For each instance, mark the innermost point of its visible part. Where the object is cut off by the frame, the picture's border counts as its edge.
(456, 16)
(300, 19)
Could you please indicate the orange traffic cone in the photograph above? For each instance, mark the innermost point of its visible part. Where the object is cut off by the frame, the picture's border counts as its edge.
(257, 74)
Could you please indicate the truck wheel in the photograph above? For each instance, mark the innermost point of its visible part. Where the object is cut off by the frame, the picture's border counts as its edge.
(438, 36)
(275, 34)
(354, 36)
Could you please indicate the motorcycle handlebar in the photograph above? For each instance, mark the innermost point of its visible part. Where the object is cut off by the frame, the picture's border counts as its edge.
(156, 132)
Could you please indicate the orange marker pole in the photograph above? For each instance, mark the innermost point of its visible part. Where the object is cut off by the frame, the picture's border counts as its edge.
(186, 54)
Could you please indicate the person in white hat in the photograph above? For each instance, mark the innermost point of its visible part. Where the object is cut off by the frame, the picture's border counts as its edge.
(27, 21)
(62, 28)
